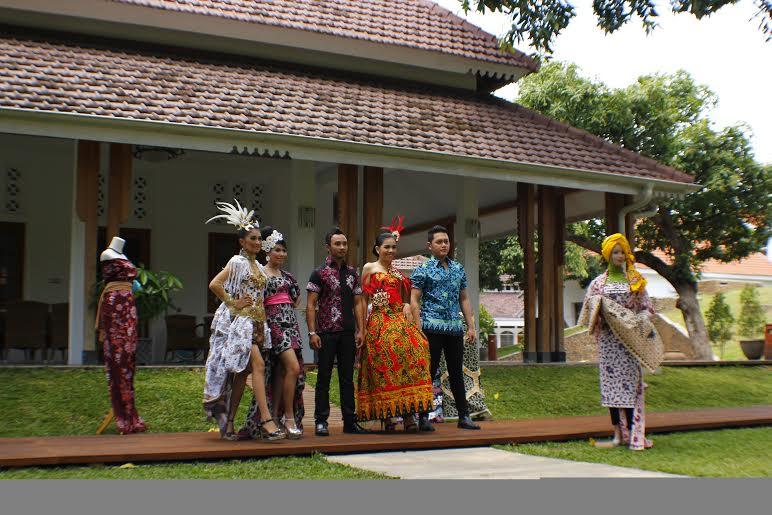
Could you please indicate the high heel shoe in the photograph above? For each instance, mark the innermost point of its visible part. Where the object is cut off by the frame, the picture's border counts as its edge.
(388, 425)
(270, 436)
(293, 433)
(231, 435)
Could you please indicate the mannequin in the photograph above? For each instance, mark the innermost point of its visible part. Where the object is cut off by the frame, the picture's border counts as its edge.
(114, 250)
(116, 323)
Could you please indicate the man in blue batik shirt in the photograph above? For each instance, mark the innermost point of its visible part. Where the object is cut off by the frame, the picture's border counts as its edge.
(438, 295)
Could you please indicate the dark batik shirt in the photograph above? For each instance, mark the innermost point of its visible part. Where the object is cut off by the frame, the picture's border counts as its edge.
(336, 288)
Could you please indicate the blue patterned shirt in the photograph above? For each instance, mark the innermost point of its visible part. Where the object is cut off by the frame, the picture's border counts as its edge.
(441, 289)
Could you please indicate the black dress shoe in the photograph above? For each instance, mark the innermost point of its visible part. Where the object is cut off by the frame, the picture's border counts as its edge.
(424, 424)
(355, 429)
(466, 423)
(321, 429)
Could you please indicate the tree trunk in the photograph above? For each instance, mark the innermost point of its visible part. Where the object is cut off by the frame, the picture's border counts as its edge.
(695, 323)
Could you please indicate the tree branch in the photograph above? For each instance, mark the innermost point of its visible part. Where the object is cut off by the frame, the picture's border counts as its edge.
(656, 264)
(582, 242)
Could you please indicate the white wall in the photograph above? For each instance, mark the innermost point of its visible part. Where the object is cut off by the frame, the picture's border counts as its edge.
(46, 167)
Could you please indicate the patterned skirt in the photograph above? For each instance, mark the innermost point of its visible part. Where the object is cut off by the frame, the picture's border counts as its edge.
(394, 367)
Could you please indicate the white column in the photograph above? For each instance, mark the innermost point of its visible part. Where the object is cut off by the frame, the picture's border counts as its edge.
(466, 234)
(300, 234)
(77, 296)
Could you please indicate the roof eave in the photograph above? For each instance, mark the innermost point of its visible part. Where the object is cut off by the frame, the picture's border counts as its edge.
(218, 139)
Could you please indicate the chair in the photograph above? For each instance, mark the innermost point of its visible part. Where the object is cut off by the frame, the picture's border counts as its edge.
(60, 330)
(26, 328)
(181, 336)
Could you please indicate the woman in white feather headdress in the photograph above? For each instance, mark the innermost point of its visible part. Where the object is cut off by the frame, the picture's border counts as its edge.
(238, 331)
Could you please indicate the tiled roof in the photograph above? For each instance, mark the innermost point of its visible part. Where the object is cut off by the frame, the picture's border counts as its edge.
(757, 264)
(503, 304)
(116, 80)
(412, 23)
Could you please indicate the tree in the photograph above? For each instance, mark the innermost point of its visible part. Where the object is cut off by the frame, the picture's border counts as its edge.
(720, 321)
(664, 117)
(751, 321)
(505, 257)
(541, 21)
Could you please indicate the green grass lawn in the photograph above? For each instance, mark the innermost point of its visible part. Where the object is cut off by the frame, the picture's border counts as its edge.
(726, 453)
(732, 349)
(314, 467)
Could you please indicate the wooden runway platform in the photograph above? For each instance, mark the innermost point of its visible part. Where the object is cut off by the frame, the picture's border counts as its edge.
(18, 452)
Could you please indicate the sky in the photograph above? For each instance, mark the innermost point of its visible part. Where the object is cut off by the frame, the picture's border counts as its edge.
(725, 52)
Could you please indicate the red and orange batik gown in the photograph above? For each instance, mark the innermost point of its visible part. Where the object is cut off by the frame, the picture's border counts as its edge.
(394, 375)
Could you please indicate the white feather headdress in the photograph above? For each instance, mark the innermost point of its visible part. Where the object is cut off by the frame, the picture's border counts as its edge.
(236, 215)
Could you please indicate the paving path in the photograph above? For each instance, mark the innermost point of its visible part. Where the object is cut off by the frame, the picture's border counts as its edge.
(481, 463)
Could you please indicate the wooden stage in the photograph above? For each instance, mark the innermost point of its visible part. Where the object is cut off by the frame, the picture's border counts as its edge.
(60, 450)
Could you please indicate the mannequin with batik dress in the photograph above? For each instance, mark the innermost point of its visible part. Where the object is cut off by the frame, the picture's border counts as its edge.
(116, 324)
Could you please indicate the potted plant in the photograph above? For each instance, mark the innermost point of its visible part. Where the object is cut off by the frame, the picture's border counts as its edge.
(153, 299)
(751, 323)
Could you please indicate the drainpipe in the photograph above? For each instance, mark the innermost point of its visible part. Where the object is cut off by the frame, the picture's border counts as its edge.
(644, 200)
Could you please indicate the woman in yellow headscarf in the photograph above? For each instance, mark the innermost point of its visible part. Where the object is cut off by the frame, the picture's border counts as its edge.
(621, 375)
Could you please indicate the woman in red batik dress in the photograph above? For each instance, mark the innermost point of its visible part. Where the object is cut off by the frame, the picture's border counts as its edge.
(394, 378)
(117, 325)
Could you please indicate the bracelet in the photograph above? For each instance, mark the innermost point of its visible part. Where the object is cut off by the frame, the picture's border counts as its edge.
(228, 301)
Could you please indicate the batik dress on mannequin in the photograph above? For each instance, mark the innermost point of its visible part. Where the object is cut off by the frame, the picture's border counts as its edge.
(445, 405)
(620, 371)
(116, 323)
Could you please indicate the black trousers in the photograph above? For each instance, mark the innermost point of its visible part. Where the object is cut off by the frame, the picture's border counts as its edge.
(342, 346)
(453, 347)
(615, 417)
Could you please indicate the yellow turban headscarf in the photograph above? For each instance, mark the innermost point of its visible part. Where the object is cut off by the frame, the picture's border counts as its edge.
(634, 277)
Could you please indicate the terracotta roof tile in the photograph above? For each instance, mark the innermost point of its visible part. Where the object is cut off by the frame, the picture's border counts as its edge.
(503, 304)
(120, 79)
(757, 264)
(412, 23)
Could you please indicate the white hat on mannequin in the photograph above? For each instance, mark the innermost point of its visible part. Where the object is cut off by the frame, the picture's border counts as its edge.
(114, 250)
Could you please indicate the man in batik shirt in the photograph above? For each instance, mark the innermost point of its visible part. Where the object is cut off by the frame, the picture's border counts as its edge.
(437, 297)
(334, 306)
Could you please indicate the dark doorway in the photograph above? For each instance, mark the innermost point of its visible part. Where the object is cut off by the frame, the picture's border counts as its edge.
(222, 247)
(11, 261)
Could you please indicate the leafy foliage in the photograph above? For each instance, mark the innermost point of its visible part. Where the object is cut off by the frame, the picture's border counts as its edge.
(487, 324)
(751, 321)
(720, 321)
(664, 117)
(539, 22)
(505, 257)
(154, 298)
